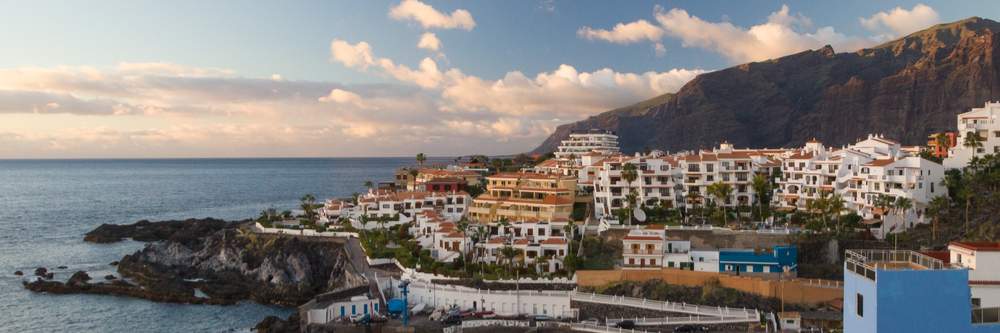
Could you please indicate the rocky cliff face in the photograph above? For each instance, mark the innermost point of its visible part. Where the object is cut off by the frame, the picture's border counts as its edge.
(905, 89)
(232, 264)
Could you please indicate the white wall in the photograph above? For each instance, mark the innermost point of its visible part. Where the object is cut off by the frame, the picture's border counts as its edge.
(551, 303)
(708, 263)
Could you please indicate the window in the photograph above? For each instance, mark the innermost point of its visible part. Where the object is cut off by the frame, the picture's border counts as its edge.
(976, 302)
(861, 305)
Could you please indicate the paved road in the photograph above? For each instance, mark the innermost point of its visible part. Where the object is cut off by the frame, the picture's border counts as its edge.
(360, 262)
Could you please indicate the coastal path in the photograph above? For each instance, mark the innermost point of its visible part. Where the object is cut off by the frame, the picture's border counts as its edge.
(642, 303)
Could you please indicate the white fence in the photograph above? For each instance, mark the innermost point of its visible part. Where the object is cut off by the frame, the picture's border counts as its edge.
(701, 310)
(686, 320)
(303, 232)
(604, 225)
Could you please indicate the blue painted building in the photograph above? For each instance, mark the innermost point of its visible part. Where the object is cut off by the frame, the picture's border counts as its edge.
(774, 260)
(905, 291)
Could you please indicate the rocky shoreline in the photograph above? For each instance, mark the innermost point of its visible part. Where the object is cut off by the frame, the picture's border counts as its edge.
(223, 260)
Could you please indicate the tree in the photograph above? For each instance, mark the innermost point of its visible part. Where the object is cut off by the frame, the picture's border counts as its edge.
(973, 141)
(721, 192)
(542, 261)
(509, 253)
(937, 207)
(761, 188)
(421, 158)
(308, 205)
(369, 184)
(836, 205)
(629, 174)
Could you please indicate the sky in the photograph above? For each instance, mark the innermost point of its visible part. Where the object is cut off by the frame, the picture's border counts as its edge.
(163, 79)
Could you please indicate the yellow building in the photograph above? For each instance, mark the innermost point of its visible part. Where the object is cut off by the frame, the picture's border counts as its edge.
(525, 197)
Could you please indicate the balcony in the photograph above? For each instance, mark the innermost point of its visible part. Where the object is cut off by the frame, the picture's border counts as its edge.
(641, 252)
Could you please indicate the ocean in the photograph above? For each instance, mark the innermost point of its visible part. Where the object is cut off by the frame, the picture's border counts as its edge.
(47, 205)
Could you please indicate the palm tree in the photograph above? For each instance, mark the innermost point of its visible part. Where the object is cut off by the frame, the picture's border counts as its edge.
(509, 253)
(542, 261)
(369, 184)
(693, 197)
(761, 188)
(721, 191)
(942, 140)
(965, 193)
(836, 205)
(308, 205)
(421, 158)
(463, 227)
(629, 174)
(973, 141)
(938, 206)
(503, 224)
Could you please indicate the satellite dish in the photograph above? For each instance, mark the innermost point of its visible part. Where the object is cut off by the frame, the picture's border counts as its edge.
(640, 215)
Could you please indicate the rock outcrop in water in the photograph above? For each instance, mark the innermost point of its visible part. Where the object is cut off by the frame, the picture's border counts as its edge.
(184, 231)
(223, 261)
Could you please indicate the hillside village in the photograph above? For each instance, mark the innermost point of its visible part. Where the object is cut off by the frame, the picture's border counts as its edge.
(589, 215)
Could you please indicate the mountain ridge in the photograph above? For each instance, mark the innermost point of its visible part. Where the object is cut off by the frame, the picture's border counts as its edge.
(905, 89)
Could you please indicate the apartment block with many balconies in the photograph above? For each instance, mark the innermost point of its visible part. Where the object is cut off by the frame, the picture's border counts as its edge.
(979, 121)
(577, 144)
(521, 196)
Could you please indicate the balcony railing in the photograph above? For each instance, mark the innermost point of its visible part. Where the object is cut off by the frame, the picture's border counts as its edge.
(986, 315)
(867, 262)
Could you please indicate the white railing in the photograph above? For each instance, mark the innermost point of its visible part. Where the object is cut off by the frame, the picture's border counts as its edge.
(302, 232)
(685, 320)
(716, 311)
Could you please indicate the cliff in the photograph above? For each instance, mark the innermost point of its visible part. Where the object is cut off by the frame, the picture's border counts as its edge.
(904, 89)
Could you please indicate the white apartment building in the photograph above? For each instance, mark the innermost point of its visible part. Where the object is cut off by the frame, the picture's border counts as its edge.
(656, 179)
(725, 164)
(983, 261)
(651, 248)
(403, 207)
(861, 174)
(532, 239)
(982, 121)
(591, 141)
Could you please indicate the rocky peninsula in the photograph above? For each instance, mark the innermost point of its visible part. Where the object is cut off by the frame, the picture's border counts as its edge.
(210, 261)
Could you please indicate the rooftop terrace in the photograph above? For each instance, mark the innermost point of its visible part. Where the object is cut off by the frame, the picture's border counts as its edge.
(867, 262)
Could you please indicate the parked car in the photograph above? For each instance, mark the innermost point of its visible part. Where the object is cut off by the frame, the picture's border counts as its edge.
(691, 328)
(626, 324)
(452, 320)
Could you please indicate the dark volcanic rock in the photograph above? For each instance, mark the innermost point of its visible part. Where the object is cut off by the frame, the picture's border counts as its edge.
(80, 277)
(273, 324)
(233, 264)
(110, 277)
(121, 288)
(62, 267)
(114, 263)
(904, 89)
(49, 276)
(186, 231)
(41, 271)
(18, 273)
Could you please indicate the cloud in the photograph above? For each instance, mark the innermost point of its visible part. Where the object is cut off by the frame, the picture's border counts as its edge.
(428, 17)
(659, 49)
(900, 21)
(429, 41)
(342, 97)
(624, 33)
(775, 38)
(359, 56)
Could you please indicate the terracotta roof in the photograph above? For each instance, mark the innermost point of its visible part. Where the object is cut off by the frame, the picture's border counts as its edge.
(630, 237)
(528, 175)
(521, 241)
(879, 163)
(978, 246)
(944, 256)
(455, 234)
(497, 240)
(555, 241)
(801, 156)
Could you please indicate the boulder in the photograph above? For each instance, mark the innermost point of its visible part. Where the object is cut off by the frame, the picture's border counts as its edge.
(78, 278)
(49, 276)
(18, 273)
(114, 263)
(110, 277)
(41, 271)
(62, 267)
